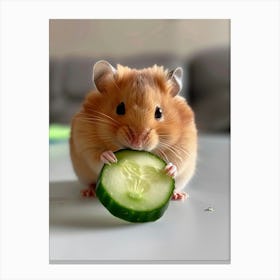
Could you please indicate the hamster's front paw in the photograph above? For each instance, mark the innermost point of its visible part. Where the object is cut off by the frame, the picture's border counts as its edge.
(171, 169)
(179, 196)
(108, 157)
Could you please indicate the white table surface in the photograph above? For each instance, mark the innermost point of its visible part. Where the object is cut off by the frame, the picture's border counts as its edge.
(83, 231)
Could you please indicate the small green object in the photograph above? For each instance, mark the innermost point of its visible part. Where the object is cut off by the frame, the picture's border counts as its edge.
(59, 132)
(136, 188)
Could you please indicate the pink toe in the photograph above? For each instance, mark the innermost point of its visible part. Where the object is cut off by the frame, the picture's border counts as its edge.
(171, 170)
(89, 192)
(179, 196)
(108, 157)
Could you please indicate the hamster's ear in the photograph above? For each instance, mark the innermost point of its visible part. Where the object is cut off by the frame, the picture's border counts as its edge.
(176, 76)
(103, 72)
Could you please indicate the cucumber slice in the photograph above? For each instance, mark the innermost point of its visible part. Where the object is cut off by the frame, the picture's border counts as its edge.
(136, 188)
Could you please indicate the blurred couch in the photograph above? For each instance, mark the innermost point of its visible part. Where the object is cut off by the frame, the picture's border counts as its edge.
(206, 84)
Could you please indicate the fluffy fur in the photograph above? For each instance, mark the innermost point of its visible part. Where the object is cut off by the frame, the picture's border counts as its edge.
(97, 127)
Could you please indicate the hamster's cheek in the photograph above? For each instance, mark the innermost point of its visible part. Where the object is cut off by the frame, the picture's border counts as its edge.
(123, 136)
(151, 141)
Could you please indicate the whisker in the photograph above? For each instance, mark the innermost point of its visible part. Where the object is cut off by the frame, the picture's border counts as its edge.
(163, 155)
(185, 151)
(95, 135)
(97, 119)
(93, 120)
(91, 136)
(103, 114)
(177, 148)
(107, 116)
(172, 150)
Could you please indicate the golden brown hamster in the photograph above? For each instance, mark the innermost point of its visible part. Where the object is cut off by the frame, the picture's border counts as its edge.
(139, 110)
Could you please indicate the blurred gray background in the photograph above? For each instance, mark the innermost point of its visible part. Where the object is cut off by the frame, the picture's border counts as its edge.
(200, 46)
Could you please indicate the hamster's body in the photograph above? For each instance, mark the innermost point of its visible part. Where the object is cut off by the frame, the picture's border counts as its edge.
(136, 109)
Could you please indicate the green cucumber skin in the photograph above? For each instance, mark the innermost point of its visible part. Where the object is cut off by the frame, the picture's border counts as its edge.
(128, 214)
(125, 213)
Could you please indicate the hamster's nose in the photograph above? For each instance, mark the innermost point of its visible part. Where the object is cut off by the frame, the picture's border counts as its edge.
(138, 138)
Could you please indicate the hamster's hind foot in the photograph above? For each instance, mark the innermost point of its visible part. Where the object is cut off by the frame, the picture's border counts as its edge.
(179, 196)
(89, 192)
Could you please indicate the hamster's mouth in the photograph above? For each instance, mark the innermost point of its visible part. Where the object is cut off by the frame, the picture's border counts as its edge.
(137, 139)
(145, 145)
(137, 147)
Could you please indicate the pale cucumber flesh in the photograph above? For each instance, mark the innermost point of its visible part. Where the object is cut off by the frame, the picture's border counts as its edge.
(136, 188)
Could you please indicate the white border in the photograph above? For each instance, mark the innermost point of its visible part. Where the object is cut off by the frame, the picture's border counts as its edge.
(255, 137)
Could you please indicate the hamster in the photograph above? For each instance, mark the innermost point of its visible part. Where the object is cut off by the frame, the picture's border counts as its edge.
(139, 110)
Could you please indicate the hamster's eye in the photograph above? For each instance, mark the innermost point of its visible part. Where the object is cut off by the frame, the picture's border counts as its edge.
(121, 109)
(158, 113)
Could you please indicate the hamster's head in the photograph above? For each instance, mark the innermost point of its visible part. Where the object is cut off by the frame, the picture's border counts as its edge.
(140, 108)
